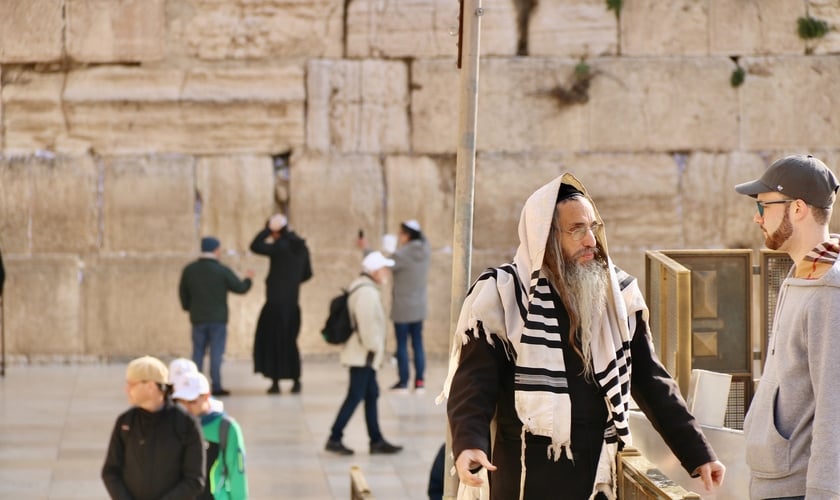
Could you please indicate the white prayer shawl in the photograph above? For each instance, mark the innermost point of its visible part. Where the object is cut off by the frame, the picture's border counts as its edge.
(512, 304)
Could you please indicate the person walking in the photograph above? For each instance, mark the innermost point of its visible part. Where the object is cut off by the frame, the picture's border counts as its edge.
(363, 353)
(156, 448)
(791, 428)
(551, 347)
(226, 478)
(203, 291)
(276, 353)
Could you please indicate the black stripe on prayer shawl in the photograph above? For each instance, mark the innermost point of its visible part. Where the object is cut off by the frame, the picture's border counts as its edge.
(528, 339)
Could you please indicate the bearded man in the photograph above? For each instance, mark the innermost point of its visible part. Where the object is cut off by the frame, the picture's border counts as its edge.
(551, 347)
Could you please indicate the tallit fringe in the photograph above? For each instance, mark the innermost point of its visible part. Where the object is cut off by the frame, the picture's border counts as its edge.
(522, 465)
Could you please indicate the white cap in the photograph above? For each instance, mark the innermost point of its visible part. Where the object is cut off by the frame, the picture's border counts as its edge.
(190, 386)
(180, 367)
(374, 261)
(277, 222)
(412, 224)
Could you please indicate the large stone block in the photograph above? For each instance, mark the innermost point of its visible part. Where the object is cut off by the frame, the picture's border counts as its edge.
(132, 308)
(577, 28)
(714, 215)
(149, 204)
(502, 184)
(662, 105)
(421, 188)
(15, 205)
(425, 29)
(436, 328)
(637, 195)
(334, 196)
(651, 27)
(237, 196)
(790, 102)
(31, 30)
(122, 31)
(32, 111)
(755, 27)
(357, 106)
(42, 304)
(257, 29)
(130, 110)
(517, 107)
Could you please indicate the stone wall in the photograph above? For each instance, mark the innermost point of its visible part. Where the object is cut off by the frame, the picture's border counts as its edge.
(130, 128)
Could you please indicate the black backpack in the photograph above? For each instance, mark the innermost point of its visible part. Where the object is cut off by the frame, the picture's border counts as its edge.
(339, 325)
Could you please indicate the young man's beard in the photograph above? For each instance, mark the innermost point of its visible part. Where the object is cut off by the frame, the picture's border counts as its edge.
(781, 234)
(587, 286)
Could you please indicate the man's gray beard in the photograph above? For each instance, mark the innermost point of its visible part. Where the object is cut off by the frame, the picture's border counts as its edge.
(587, 285)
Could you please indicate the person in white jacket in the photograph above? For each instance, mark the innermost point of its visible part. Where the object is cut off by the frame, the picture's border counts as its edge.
(363, 353)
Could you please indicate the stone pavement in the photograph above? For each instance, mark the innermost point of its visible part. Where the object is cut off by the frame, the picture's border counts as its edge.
(55, 422)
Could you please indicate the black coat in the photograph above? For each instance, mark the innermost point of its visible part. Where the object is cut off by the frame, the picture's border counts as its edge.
(276, 353)
(155, 456)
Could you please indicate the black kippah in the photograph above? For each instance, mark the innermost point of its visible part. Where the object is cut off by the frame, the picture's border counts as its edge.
(566, 192)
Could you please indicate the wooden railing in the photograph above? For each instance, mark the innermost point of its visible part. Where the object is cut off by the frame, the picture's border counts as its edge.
(639, 479)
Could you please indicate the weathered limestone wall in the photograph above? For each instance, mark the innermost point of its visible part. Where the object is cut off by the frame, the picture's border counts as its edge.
(129, 129)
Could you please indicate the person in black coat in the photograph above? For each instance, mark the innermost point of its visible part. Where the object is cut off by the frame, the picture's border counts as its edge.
(276, 353)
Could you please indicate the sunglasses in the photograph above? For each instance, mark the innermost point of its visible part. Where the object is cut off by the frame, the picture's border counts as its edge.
(759, 205)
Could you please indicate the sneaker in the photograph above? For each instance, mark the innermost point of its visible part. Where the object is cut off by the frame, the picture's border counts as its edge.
(399, 389)
(419, 387)
(384, 448)
(296, 387)
(337, 447)
(221, 392)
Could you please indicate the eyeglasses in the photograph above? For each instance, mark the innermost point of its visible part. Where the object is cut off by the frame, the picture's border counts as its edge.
(579, 232)
(759, 205)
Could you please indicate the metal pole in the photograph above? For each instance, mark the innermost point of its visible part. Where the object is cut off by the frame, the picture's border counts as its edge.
(469, 43)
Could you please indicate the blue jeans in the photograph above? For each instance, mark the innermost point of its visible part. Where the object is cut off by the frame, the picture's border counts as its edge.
(415, 331)
(214, 335)
(363, 386)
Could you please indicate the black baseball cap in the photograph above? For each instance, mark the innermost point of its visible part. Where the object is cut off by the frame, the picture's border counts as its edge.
(800, 177)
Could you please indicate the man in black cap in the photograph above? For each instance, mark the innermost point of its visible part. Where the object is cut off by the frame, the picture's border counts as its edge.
(203, 292)
(792, 428)
(551, 347)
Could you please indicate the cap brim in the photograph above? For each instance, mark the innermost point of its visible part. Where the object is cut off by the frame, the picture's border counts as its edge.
(753, 188)
(186, 396)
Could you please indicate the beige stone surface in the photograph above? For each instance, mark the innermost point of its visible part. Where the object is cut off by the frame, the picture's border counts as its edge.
(32, 113)
(357, 106)
(31, 30)
(651, 27)
(436, 330)
(244, 308)
(425, 29)
(828, 11)
(257, 29)
(42, 304)
(335, 196)
(755, 27)
(662, 105)
(115, 31)
(421, 188)
(237, 196)
(64, 205)
(131, 305)
(135, 110)
(515, 104)
(15, 205)
(149, 204)
(790, 102)
(577, 28)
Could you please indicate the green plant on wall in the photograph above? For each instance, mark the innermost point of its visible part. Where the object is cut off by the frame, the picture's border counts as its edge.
(614, 5)
(737, 78)
(810, 28)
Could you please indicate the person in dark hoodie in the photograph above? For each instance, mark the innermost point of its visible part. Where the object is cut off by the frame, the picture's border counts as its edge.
(276, 353)
(551, 347)
(156, 450)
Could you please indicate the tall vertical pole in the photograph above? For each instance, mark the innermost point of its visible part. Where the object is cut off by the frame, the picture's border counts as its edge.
(468, 47)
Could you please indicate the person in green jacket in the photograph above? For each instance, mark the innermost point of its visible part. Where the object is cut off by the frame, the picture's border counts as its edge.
(225, 447)
(203, 292)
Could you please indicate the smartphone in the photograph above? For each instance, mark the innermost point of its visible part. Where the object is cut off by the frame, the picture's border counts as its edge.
(361, 233)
